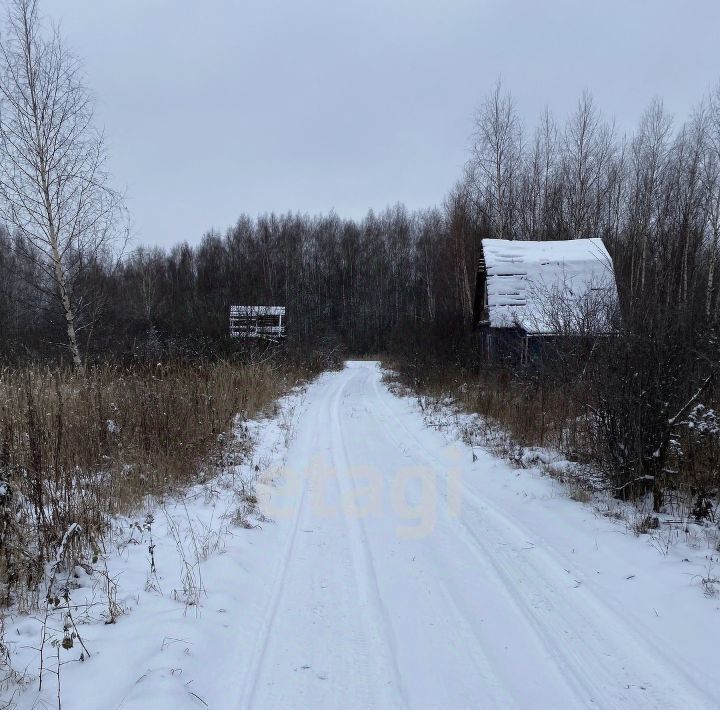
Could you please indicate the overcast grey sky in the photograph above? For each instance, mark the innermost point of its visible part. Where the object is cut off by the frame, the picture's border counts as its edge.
(227, 106)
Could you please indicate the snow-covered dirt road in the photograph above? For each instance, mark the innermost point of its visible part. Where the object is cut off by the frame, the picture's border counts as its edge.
(411, 576)
(399, 569)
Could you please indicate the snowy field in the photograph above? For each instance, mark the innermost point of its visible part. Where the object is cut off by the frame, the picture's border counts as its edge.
(390, 566)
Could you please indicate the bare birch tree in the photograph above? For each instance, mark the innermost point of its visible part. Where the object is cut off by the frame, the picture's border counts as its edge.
(588, 145)
(649, 154)
(536, 179)
(689, 149)
(53, 184)
(496, 159)
(711, 204)
(459, 216)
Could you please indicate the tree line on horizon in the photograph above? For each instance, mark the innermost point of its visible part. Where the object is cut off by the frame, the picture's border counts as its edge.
(393, 281)
(400, 277)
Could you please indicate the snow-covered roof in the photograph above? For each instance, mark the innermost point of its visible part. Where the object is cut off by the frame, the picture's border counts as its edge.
(257, 310)
(548, 287)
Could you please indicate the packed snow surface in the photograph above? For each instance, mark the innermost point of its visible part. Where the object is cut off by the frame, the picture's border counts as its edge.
(402, 571)
(527, 279)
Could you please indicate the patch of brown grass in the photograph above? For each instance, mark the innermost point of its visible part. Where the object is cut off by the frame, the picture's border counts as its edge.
(537, 411)
(531, 411)
(78, 448)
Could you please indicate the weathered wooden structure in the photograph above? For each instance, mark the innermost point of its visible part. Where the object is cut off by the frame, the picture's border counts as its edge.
(528, 291)
(264, 322)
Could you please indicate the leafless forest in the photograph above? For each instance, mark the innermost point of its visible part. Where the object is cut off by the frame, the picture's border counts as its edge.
(398, 280)
(79, 302)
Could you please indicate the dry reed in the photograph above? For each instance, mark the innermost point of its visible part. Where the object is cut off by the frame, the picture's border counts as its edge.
(78, 448)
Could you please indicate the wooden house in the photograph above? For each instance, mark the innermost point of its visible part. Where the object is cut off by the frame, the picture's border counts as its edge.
(264, 322)
(527, 291)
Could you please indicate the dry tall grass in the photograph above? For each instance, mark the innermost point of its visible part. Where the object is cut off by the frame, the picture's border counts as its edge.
(78, 448)
(537, 411)
(531, 410)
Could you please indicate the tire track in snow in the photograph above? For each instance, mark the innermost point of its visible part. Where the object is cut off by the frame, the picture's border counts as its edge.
(278, 676)
(248, 687)
(517, 573)
(362, 557)
(585, 689)
(461, 625)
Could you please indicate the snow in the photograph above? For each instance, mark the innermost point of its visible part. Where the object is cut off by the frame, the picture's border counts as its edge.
(704, 420)
(257, 310)
(525, 277)
(398, 568)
